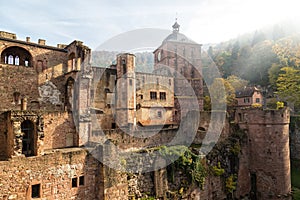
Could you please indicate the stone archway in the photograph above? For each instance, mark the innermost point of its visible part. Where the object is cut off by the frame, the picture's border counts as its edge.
(16, 56)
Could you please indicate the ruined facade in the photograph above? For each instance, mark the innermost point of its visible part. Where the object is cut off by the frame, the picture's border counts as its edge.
(58, 115)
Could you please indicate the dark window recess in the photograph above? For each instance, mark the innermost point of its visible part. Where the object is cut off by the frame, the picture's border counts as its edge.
(159, 115)
(246, 100)
(81, 180)
(153, 95)
(257, 100)
(162, 96)
(36, 191)
(113, 125)
(124, 66)
(130, 82)
(142, 97)
(253, 186)
(74, 182)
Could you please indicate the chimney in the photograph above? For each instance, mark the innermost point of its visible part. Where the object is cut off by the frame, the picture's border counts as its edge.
(24, 103)
(27, 39)
(42, 42)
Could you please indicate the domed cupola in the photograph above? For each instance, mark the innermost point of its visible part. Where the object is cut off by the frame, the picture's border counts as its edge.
(175, 36)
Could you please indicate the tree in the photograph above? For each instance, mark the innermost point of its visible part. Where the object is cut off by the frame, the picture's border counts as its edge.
(288, 85)
(274, 73)
(222, 94)
(236, 82)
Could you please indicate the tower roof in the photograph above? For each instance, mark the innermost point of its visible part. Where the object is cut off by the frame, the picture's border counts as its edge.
(175, 36)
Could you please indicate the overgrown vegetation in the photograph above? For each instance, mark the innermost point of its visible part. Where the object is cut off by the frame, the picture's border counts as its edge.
(224, 159)
(218, 170)
(184, 159)
(230, 183)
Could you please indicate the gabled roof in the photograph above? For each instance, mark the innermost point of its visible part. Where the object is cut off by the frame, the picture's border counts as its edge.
(246, 92)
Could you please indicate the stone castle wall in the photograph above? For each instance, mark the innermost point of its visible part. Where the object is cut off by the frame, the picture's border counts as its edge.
(54, 172)
(59, 130)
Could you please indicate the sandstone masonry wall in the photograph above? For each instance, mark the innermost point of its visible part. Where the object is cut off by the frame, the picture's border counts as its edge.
(54, 172)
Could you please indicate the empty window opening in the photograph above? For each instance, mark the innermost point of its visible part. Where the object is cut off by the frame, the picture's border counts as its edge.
(253, 186)
(10, 60)
(241, 117)
(71, 62)
(74, 182)
(153, 95)
(162, 96)
(26, 63)
(27, 129)
(124, 66)
(81, 180)
(36, 191)
(17, 60)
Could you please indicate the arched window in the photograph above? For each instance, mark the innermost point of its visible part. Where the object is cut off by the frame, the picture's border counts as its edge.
(10, 60)
(17, 60)
(16, 56)
(28, 147)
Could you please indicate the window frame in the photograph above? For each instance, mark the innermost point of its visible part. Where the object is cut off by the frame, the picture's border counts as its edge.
(153, 95)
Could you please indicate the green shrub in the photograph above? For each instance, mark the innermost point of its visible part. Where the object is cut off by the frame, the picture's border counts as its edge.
(230, 184)
(218, 170)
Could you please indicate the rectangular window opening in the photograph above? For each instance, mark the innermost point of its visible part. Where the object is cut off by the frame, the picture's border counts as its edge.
(74, 182)
(36, 191)
(162, 96)
(81, 180)
(153, 95)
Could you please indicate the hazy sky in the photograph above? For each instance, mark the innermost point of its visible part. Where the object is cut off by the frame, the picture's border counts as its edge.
(96, 21)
